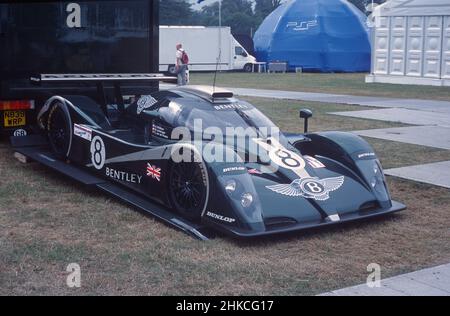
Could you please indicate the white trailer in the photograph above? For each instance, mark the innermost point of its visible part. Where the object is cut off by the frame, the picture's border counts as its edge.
(202, 46)
(411, 43)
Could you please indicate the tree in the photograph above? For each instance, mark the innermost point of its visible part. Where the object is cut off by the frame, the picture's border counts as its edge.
(264, 7)
(238, 14)
(176, 12)
(362, 4)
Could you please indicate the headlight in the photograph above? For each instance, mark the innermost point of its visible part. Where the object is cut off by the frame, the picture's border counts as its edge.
(378, 177)
(246, 200)
(374, 182)
(376, 169)
(378, 182)
(230, 186)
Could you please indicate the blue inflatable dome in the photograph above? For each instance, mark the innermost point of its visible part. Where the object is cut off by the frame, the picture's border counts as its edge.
(317, 35)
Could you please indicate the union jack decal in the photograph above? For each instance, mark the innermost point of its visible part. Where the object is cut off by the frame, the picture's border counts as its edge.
(154, 172)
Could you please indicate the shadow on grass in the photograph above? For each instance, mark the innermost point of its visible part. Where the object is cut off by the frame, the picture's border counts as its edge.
(310, 233)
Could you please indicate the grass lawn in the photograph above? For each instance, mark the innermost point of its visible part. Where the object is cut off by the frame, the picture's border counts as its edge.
(353, 84)
(48, 222)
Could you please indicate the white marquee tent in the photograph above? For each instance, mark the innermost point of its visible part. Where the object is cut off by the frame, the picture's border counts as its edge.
(411, 43)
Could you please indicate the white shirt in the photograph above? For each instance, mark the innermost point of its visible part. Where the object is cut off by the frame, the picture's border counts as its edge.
(179, 56)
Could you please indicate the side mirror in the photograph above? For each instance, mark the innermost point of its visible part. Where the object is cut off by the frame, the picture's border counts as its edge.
(244, 54)
(306, 114)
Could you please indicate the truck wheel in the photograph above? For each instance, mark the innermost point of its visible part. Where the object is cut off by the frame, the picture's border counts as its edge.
(248, 68)
(59, 130)
(172, 70)
(188, 189)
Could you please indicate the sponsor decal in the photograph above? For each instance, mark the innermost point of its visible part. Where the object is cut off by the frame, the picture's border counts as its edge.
(310, 188)
(145, 102)
(313, 162)
(254, 171)
(159, 131)
(83, 132)
(234, 169)
(221, 217)
(366, 155)
(232, 106)
(123, 176)
(20, 133)
(98, 152)
(154, 172)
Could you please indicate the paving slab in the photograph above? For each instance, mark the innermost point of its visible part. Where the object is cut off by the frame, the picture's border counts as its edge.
(406, 116)
(438, 279)
(364, 290)
(411, 287)
(433, 173)
(427, 282)
(431, 136)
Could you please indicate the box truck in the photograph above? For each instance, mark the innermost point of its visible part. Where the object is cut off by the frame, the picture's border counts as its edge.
(202, 45)
(89, 37)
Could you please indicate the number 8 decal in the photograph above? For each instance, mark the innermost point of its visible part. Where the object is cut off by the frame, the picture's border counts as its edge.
(98, 152)
(288, 159)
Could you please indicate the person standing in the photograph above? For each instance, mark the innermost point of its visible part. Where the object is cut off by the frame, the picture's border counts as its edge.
(182, 61)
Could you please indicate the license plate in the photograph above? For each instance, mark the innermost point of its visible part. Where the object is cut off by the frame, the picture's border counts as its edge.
(14, 118)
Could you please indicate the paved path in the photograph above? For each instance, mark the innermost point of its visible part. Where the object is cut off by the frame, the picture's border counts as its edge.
(434, 173)
(431, 136)
(428, 282)
(406, 116)
(413, 104)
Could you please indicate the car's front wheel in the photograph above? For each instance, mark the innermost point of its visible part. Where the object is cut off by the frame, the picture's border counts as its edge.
(59, 130)
(188, 188)
(248, 68)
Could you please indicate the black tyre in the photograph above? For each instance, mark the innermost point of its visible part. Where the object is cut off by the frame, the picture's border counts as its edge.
(248, 68)
(172, 70)
(59, 130)
(188, 189)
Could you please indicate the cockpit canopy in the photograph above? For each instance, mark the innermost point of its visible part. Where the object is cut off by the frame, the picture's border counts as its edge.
(196, 112)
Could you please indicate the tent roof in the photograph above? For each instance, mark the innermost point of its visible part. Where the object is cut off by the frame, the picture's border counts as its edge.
(415, 8)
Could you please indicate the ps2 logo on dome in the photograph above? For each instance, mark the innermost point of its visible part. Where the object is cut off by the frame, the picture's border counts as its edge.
(74, 15)
(302, 25)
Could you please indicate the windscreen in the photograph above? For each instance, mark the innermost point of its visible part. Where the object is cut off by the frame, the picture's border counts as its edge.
(228, 119)
(102, 36)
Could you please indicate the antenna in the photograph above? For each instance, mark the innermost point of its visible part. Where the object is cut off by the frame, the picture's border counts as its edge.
(219, 58)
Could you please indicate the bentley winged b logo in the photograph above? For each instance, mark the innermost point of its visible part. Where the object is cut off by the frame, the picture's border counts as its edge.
(310, 188)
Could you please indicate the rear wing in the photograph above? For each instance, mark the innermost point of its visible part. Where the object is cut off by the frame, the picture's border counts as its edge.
(100, 80)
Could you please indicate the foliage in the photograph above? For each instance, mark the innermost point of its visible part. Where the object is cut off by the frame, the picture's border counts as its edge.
(243, 16)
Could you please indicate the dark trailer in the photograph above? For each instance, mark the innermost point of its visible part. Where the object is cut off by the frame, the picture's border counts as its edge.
(103, 53)
(73, 37)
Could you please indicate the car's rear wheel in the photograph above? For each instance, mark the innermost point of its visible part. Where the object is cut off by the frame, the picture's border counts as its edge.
(188, 188)
(59, 130)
